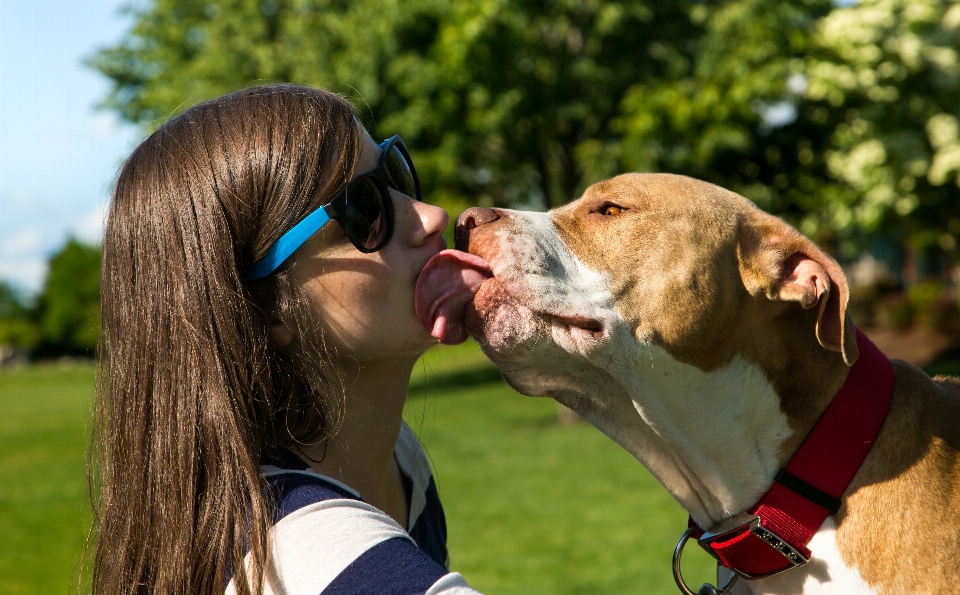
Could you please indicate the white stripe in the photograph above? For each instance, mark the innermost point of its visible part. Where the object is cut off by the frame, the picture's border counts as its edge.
(414, 464)
(312, 546)
(451, 584)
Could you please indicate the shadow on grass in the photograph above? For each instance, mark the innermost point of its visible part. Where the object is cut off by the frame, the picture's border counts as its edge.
(464, 378)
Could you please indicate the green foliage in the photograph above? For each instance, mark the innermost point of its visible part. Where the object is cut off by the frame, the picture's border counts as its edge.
(935, 306)
(708, 121)
(525, 103)
(890, 67)
(68, 309)
(12, 304)
(64, 319)
(503, 102)
(16, 326)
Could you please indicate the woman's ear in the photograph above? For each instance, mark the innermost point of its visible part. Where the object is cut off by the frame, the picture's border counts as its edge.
(280, 333)
(786, 266)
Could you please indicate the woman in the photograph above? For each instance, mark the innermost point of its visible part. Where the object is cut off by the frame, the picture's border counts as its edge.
(259, 331)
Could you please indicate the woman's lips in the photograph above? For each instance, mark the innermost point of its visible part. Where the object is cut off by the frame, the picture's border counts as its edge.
(445, 286)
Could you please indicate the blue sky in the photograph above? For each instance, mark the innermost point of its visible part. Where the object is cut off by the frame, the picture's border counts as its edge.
(59, 155)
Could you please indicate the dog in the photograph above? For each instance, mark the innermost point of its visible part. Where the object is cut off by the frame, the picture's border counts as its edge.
(708, 338)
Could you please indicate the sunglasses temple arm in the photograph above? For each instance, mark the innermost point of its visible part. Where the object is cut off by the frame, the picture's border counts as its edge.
(290, 241)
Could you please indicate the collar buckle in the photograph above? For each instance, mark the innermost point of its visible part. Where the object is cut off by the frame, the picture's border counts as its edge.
(746, 522)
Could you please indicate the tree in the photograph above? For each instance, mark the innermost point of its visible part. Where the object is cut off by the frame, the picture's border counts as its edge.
(891, 68)
(502, 102)
(68, 307)
(17, 329)
(843, 120)
(733, 111)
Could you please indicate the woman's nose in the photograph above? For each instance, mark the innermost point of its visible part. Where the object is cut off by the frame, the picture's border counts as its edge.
(433, 220)
(471, 219)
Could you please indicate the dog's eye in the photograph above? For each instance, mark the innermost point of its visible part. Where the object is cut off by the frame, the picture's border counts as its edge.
(611, 210)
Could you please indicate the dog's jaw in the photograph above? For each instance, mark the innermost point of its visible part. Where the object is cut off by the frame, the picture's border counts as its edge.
(630, 388)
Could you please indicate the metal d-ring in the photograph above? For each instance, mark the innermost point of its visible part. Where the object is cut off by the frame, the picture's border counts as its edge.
(705, 588)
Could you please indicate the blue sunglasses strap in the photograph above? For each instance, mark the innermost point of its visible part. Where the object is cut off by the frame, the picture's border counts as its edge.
(288, 243)
(293, 239)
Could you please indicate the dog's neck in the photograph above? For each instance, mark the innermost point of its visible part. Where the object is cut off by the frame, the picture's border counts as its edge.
(715, 439)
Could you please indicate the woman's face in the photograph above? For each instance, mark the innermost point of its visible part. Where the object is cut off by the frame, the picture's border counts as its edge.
(366, 301)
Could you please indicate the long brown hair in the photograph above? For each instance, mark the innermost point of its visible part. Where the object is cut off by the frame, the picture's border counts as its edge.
(193, 393)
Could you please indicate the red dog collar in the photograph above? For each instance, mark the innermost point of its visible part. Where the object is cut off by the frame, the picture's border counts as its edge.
(772, 535)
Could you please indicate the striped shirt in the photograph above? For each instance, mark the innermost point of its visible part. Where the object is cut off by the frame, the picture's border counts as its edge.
(327, 541)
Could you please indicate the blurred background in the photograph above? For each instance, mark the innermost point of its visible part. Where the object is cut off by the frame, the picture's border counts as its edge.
(840, 116)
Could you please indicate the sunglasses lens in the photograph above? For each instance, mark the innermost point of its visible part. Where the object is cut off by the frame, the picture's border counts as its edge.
(365, 220)
(400, 172)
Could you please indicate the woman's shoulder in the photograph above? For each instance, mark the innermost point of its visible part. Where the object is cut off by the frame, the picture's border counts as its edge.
(343, 546)
(326, 540)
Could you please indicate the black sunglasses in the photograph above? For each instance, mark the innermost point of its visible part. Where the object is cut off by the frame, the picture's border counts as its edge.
(363, 209)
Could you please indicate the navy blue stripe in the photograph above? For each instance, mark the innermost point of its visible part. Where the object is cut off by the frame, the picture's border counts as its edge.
(430, 528)
(293, 491)
(392, 567)
(288, 460)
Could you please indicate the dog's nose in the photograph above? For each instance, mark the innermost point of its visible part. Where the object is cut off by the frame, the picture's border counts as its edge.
(475, 217)
(471, 219)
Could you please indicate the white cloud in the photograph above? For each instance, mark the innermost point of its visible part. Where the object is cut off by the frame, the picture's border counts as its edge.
(104, 126)
(89, 227)
(19, 198)
(27, 274)
(21, 243)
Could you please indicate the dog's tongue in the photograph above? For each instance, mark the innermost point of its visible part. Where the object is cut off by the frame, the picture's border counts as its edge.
(446, 285)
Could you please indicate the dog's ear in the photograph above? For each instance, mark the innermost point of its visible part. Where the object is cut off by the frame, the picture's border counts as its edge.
(778, 261)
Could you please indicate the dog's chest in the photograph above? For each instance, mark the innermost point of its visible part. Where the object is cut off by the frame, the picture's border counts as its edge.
(825, 574)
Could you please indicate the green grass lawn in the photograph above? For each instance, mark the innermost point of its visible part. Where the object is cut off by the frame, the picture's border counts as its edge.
(44, 515)
(532, 506)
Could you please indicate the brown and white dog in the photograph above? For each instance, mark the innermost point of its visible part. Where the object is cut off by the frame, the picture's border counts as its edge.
(706, 337)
